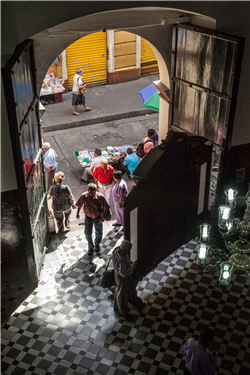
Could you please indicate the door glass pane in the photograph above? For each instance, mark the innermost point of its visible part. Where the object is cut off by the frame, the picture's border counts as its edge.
(22, 86)
(35, 191)
(30, 141)
(200, 113)
(205, 60)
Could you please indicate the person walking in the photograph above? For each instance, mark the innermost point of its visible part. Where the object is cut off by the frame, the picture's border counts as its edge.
(92, 203)
(103, 175)
(125, 290)
(77, 97)
(199, 362)
(148, 142)
(94, 163)
(119, 191)
(131, 161)
(62, 200)
(50, 159)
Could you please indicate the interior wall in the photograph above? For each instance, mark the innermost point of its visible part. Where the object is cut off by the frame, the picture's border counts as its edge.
(8, 174)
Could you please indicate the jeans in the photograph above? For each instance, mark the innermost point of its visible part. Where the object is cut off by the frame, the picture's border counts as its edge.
(89, 222)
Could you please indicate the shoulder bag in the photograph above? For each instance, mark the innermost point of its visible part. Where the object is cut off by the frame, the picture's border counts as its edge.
(108, 277)
(105, 215)
(83, 89)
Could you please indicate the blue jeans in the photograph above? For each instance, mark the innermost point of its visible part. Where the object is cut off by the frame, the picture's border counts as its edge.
(89, 221)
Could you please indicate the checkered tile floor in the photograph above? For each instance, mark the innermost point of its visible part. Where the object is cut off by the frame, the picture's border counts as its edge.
(67, 325)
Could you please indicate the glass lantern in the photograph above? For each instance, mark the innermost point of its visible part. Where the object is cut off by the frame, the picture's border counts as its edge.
(223, 217)
(202, 254)
(231, 197)
(225, 273)
(205, 232)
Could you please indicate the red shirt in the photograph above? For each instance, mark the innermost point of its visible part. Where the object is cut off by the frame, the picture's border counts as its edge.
(104, 177)
(91, 206)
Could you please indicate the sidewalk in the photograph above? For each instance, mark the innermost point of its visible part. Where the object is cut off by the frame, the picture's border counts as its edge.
(108, 103)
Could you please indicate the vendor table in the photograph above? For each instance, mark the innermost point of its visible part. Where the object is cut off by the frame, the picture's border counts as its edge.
(112, 154)
(56, 97)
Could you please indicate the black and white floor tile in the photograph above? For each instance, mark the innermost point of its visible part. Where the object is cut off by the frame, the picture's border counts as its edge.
(67, 325)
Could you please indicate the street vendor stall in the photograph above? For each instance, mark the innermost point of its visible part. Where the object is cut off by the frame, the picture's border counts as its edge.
(112, 154)
(52, 89)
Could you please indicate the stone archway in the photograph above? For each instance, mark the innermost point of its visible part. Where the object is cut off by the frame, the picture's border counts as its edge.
(152, 23)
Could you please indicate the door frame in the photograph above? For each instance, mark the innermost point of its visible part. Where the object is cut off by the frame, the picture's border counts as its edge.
(15, 134)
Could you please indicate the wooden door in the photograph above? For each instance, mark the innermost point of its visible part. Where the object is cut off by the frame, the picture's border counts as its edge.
(22, 106)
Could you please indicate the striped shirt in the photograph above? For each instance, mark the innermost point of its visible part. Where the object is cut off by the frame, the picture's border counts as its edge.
(122, 264)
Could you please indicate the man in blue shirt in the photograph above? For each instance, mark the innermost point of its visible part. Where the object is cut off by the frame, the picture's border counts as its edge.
(199, 362)
(131, 162)
(50, 162)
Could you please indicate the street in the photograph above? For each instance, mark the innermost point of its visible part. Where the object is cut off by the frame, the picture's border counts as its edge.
(114, 133)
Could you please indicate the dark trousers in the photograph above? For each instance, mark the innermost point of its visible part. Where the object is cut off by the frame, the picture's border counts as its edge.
(89, 222)
(50, 178)
(124, 293)
(125, 170)
(121, 167)
(59, 218)
(187, 372)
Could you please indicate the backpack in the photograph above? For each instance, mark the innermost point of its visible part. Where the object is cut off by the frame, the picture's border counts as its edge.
(140, 149)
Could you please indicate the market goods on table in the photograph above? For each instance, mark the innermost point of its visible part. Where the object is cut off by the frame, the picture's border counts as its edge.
(84, 157)
(51, 85)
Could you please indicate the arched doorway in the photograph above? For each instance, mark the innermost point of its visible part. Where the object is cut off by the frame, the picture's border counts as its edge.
(49, 43)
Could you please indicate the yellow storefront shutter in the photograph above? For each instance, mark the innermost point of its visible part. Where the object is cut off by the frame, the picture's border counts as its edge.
(148, 60)
(90, 54)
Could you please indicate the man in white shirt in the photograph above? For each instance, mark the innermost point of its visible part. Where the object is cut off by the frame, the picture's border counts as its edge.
(94, 163)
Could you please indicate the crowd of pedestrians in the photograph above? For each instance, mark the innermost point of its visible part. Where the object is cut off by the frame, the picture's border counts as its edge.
(201, 356)
(108, 182)
(95, 202)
